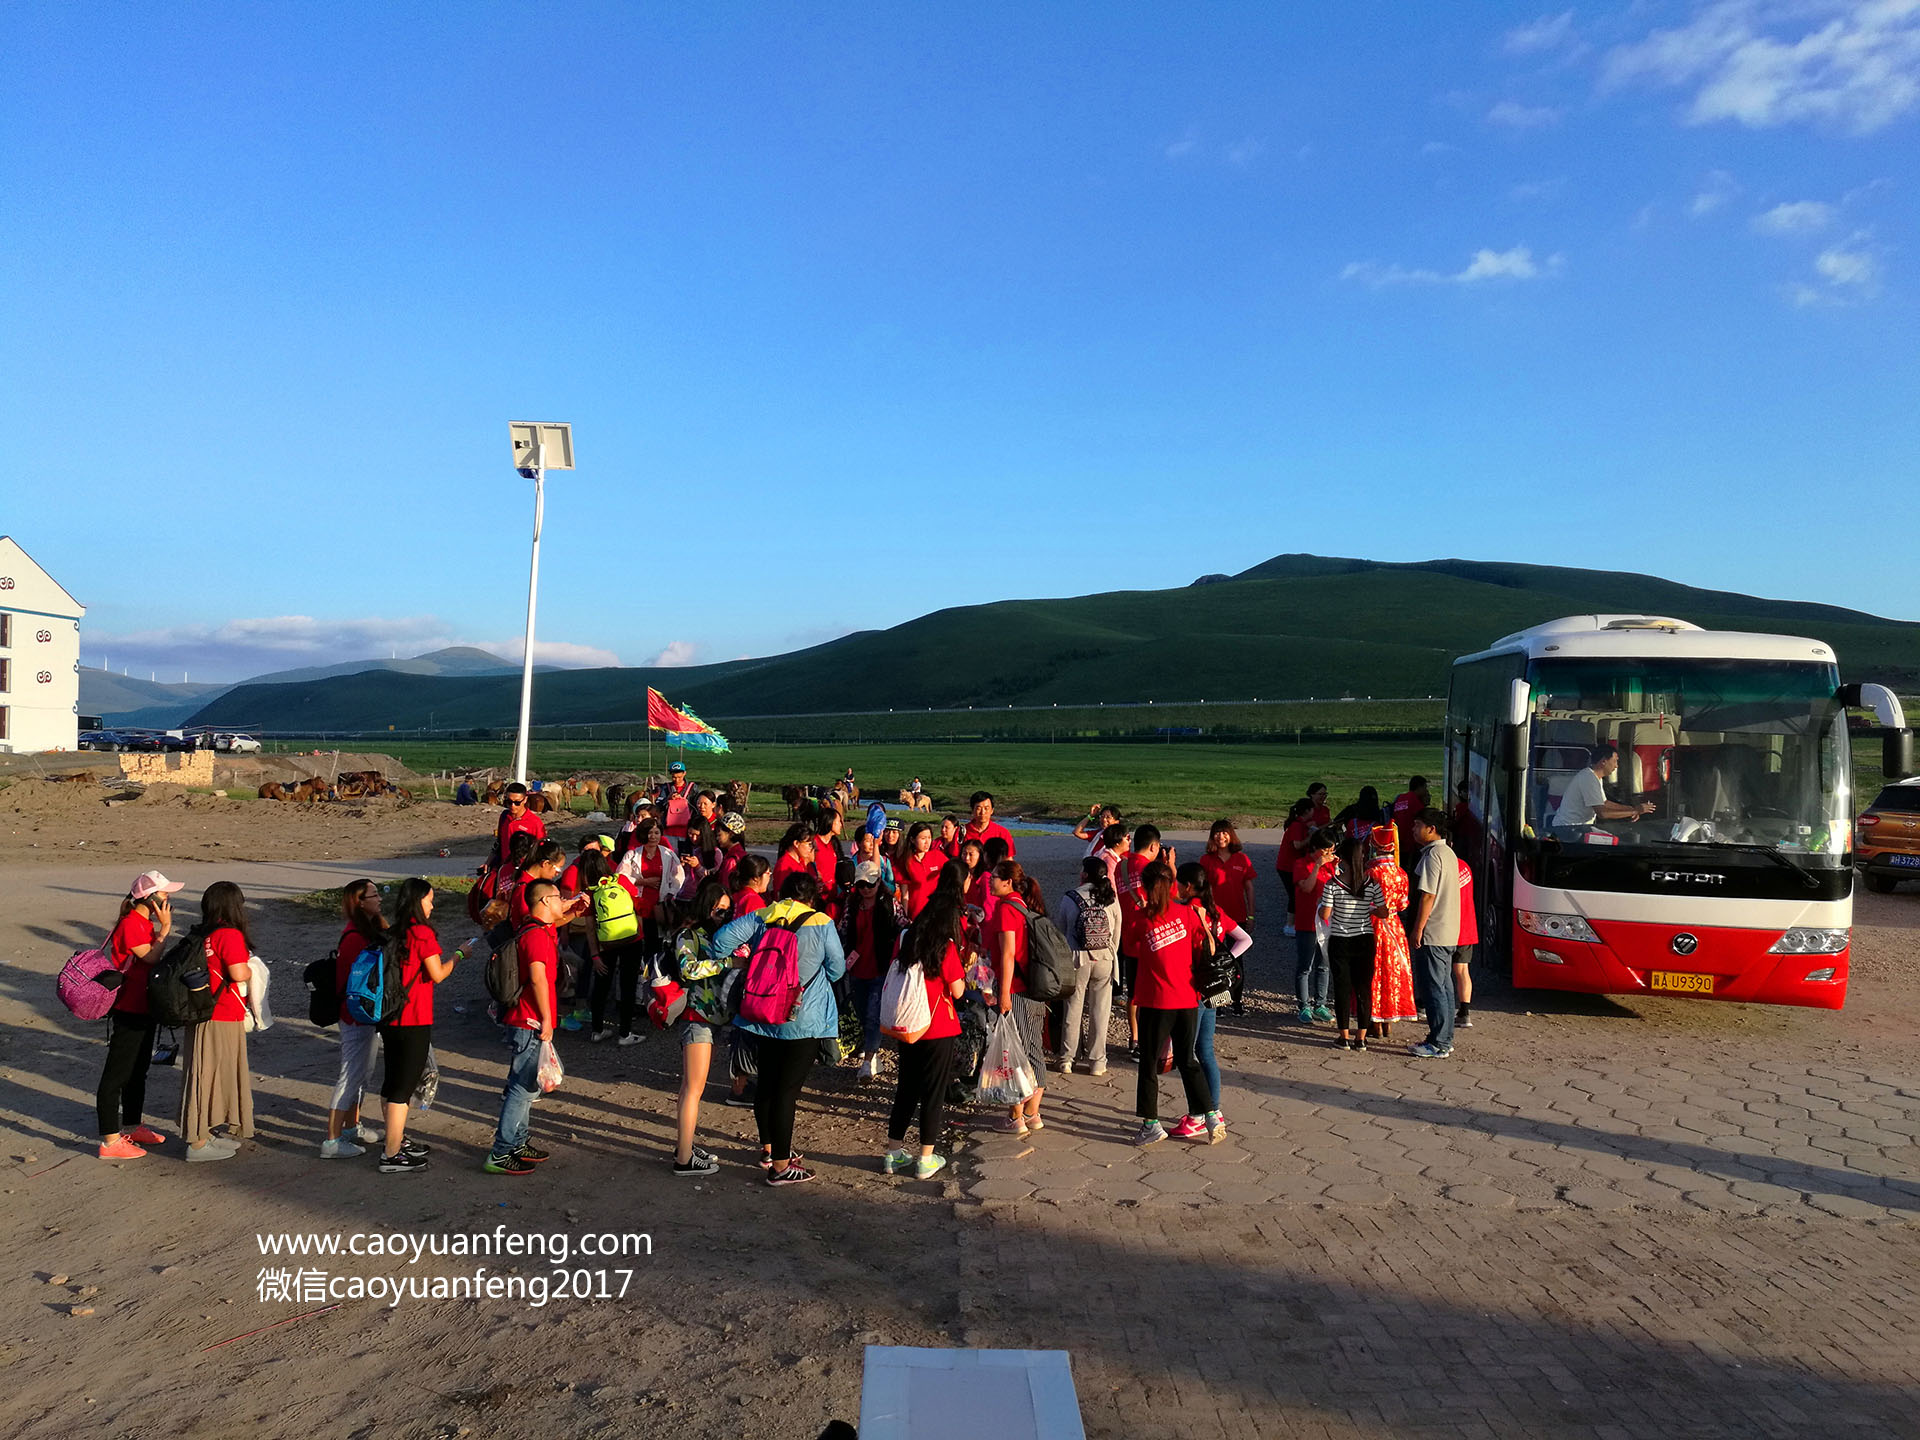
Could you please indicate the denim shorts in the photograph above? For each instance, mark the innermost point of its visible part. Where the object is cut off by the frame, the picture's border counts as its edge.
(697, 1032)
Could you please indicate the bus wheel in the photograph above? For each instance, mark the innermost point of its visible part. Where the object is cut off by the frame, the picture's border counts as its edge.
(1881, 884)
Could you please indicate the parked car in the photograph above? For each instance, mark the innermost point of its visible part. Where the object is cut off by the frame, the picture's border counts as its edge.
(100, 740)
(141, 740)
(242, 745)
(1886, 837)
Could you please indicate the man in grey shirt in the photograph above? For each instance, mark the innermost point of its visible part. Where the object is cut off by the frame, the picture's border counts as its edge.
(1436, 929)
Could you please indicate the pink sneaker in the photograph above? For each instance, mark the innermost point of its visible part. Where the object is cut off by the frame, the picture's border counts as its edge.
(1191, 1128)
(121, 1149)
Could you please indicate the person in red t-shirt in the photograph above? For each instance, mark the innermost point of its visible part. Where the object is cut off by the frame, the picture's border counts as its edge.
(1004, 939)
(868, 934)
(1293, 844)
(931, 954)
(1463, 955)
(120, 1101)
(518, 820)
(1312, 971)
(796, 857)
(826, 861)
(750, 881)
(215, 1089)
(529, 1022)
(408, 1037)
(1126, 883)
(1231, 875)
(361, 928)
(1321, 815)
(983, 827)
(918, 870)
(1164, 935)
(949, 842)
(1407, 805)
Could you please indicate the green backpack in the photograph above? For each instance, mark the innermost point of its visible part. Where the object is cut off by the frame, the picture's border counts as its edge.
(614, 921)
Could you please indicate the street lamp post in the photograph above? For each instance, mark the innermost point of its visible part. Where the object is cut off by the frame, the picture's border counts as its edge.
(537, 448)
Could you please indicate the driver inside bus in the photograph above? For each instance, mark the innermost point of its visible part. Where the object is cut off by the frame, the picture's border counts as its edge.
(1585, 800)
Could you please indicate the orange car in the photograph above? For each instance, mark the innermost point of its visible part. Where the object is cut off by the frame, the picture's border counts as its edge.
(1886, 842)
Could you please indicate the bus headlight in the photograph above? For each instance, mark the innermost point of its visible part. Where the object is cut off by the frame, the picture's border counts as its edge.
(1804, 940)
(1556, 927)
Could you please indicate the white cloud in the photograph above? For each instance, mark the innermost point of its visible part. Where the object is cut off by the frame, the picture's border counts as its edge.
(675, 654)
(1850, 64)
(1535, 190)
(1846, 273)
(1515, 264)
(1515, 116)
(1795, 217)
(1840, 266)
(1715, 191)
(1549, 32)
(1191, 148)
(251, 646)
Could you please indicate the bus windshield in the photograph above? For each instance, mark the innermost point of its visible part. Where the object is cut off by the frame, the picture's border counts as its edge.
(1672, 756)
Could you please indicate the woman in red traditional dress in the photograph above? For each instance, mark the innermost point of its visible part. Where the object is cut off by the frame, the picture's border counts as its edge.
(1392, 972)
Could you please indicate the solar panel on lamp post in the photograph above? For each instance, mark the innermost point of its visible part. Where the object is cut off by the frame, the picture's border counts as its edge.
(537, 448)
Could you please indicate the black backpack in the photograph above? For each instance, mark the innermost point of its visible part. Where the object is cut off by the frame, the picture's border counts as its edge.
(180, 989)
(503, 973)
(323, 989)
(1213, 965)
(1049, 957)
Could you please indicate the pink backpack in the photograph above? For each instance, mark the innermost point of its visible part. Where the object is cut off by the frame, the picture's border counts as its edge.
(80, 987)
(771, 994)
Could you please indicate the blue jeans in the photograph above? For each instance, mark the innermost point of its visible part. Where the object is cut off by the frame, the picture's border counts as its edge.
(516, 1100)
(1311, 973)
(1434, 970)
(1203, 1052)
(865, 995)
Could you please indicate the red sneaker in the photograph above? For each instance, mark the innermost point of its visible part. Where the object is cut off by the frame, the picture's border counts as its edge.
(144, 1135)
(121, 1149)
(1191, 1128)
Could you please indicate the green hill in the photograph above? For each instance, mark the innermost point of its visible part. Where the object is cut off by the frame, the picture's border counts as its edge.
(1293, 627)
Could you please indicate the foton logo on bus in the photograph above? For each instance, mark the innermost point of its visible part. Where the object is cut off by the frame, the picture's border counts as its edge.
(1688, 877)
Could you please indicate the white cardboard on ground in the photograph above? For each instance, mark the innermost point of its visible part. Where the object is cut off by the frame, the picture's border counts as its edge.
(916, 1394)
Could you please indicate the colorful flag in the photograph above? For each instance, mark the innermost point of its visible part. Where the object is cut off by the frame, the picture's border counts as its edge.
(683, 727)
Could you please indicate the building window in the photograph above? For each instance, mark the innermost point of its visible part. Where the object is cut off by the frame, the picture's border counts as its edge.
(3, 723)
(6, 676)
(6, 631)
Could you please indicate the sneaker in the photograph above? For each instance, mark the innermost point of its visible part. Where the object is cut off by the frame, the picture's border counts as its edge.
(766, 1159)
(1099, 1067)
(1007, 1125)
(1216, 1127)
(145, 1135)
(530, 1153)
(507, 1165)
(1150, 1133)
(573, 1022)
(341, 1149)
(367, 1135)
(792, 1175)
(1306, 1015)
(699, 1162)
(740, 1102)
(632, 1037)
(928, 1166)
(121, 1148)
(1462, 1020)
(1431, 1052)
(870, 1067)
(897, 1162)
(212, 1150)
(1190, 1128)
(405, 1162)
(1322, 1013)
(1133, 1053)
(605, 1032)
(1064, 1067)
(411, 1146)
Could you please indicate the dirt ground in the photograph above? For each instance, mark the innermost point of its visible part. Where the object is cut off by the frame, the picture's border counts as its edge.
(129, 1282)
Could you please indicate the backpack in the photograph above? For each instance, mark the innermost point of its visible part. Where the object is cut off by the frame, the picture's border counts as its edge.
(1096, 929)
(771, 995)
(89, 983)
(181, 989)
(1049, 957)
(478, 895)
(1213, 965)
(904, 1012)
(614, 921)
(374, 993)
(323, 989)
(503, 973)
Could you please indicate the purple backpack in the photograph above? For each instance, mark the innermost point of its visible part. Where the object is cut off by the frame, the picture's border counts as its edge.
(83, 985)
(771, 994)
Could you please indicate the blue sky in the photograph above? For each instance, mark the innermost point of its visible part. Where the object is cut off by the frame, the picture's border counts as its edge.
(995, 300)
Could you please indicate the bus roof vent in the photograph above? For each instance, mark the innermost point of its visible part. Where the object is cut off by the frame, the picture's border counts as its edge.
(1643, 622)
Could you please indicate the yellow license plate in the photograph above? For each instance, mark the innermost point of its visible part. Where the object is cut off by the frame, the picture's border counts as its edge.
(1681, 983)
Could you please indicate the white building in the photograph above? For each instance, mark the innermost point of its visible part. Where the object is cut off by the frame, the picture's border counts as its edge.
(39, 656)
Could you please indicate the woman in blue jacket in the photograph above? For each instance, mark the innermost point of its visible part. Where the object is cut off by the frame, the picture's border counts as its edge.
(787, 1052)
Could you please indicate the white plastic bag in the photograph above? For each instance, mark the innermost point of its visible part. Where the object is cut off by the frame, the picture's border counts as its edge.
(550, 1072)
(259, 1014)
(904, 1012)
(1005, 1076)
(429, 1086)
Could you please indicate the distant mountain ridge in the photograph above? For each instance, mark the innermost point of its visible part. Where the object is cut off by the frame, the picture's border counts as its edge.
(453, 660)
(1296, 626)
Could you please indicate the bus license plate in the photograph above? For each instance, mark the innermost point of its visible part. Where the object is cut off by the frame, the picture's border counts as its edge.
(1680, 983)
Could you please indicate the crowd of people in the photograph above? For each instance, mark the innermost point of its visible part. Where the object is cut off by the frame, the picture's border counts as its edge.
(670, 923)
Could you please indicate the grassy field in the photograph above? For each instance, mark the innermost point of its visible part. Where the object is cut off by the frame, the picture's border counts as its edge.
(1184, 782)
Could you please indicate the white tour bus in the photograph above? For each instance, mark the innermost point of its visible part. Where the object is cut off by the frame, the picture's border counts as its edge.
(1706, 849)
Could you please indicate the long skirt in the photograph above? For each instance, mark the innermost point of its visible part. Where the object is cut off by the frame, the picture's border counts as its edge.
(215, 1088)
(1392, 973)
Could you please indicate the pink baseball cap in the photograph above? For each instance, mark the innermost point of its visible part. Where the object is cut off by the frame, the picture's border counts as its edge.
(153, 883)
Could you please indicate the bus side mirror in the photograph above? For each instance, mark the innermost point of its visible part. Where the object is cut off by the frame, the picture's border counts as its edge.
(1519, 703)
(1896, 753)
